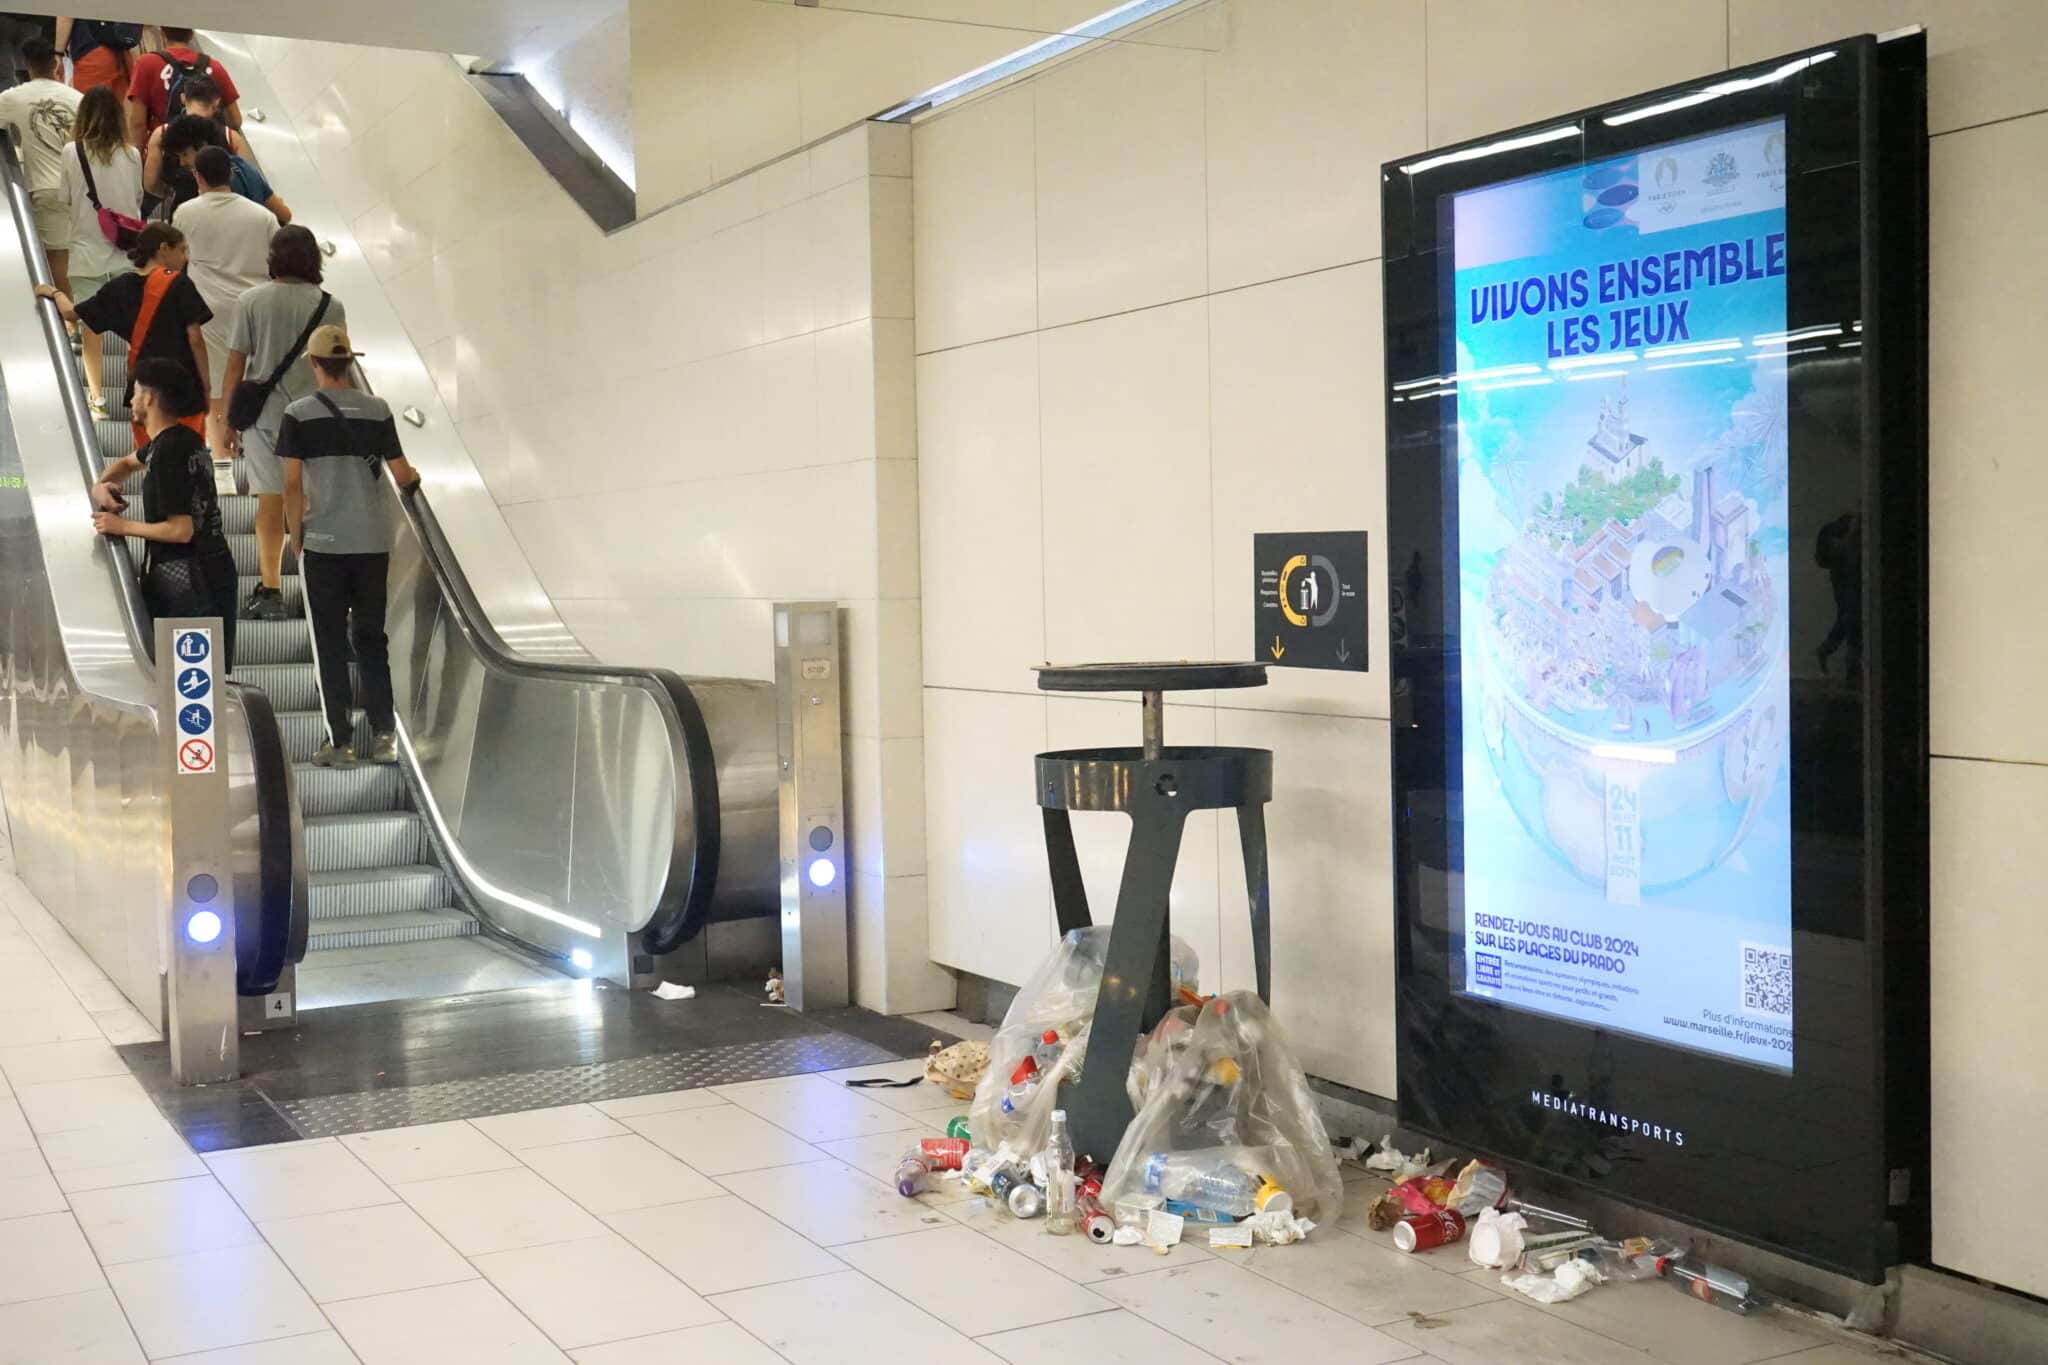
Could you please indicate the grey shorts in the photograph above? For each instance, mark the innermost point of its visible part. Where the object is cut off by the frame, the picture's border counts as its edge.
(259, 460)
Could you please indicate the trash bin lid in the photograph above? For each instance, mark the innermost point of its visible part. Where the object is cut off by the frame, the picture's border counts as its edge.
(1176, 676)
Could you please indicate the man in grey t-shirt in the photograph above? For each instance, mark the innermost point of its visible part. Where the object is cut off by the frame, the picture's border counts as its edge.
(269, 322)
(335, 445)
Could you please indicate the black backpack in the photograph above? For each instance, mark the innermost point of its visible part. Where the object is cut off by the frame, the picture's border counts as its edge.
(175, 74)
(87, 34)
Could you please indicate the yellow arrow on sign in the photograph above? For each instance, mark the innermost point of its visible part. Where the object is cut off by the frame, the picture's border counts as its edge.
(1278, 648)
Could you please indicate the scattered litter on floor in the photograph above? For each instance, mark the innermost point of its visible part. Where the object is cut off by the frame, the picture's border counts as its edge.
(777, 993)
(669, 990)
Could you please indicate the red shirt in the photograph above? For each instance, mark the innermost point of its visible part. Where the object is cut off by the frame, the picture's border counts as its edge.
(151, 85)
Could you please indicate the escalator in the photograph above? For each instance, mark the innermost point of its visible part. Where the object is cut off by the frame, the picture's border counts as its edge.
(592, 818)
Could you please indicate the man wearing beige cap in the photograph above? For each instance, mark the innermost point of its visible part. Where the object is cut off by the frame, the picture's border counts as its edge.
(335, 444)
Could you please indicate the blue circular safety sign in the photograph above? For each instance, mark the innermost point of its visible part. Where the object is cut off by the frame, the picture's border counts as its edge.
(195, 719)
(193, 646)
(194, 683)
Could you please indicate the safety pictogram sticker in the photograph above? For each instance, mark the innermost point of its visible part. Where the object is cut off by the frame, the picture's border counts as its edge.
(195, 756)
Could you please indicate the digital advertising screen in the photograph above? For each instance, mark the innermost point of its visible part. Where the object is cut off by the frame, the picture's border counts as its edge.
(1622, 562)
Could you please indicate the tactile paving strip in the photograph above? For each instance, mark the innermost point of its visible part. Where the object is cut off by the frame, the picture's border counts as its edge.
(402, 1107)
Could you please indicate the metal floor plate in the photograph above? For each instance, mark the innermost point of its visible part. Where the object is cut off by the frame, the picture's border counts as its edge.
(329, 1115)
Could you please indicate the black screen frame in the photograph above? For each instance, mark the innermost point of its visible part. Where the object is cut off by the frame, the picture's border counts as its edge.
(1827, 1162)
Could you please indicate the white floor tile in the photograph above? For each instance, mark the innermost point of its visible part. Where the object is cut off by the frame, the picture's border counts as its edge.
(427, 1152)
(99, 1158)
(123, 1026)
(915, 1099)
(357, 1252)
(718, 1245)
(470, 1321)
(847, 1320)
(636, 1105)
(721, 1342)
(44, 1024)
(877, 1157)
(970, 1282)
(1250, 1320)
(603, 1289)
(830, 1204)
(209, 1299)
(27, 1187)
(1075, 1257)
(75, 1329)
(292, 1179)
(499, 1211)
(60, 1062)
(1669, 1326)
(1364, 1280)
(1501, 1330)
(724, 1139)
(44, 1255)
(815, 1109)
(320, 1348)
(539, 1127)
(15, 1134)
(94, 1102)
(1112, 1338)
(168, 1218)
(611, 1175)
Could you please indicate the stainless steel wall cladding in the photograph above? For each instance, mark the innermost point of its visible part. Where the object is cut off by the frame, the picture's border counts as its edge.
(574, 804)
(82, 767)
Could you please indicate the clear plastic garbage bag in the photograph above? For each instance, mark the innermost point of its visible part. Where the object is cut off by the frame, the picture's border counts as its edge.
(1231, 1129)
(1012, 1109)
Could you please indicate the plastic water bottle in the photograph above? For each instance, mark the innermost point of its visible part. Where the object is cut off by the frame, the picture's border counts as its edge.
(1060, 1215)
(1047, 1049)
(1022, 1081)
(1205, 1182)
(1708, 1283)
(913, 1175)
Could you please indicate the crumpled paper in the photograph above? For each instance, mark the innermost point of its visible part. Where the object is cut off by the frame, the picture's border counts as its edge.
(1394, 1162)
(1567, 1282)
(1278, 1229)
(1495, 1241)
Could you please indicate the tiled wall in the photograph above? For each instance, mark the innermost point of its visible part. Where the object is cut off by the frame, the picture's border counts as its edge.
(681, 423)
(1148, 323)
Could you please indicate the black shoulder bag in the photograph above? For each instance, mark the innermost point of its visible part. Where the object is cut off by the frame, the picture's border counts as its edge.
(245, 409)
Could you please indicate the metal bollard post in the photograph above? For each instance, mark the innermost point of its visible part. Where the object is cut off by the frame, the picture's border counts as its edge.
(203, 1022)
(815, 969)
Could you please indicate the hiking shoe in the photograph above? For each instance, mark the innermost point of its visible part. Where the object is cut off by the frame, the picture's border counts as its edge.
(384, 748)
(329, 756)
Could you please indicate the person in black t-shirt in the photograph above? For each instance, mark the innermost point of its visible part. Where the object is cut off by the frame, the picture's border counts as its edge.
(188, 569)
(174, 332)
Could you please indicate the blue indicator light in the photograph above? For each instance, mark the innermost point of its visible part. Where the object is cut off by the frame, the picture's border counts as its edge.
(203, 927)
(822, 873)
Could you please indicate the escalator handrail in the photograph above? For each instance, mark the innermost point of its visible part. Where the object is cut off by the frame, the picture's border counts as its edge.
(685, 898)
(281, 929)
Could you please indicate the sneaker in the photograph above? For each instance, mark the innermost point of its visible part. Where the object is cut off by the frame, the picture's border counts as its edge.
(329, 756)
(100, 411)
(265, 604)
(384, 748)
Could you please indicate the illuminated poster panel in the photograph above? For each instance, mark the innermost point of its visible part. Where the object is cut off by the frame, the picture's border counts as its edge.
(1623, 544)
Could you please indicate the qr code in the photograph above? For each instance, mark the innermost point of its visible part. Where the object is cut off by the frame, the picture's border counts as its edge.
(1766, 981)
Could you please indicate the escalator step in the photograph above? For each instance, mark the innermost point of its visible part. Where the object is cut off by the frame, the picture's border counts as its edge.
(290, 687)
(238, 514)
(368, 931)
(274, 642)
(244, 546)
(303, 731)
(377, 891)
(336, 843)
(340, 791)
(294, 595)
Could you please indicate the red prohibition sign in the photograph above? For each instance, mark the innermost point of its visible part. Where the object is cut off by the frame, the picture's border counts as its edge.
(195, 755)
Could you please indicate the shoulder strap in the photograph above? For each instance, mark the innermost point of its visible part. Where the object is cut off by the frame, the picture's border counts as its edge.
(348, 437)
(91, 190)
(153, 290)
(298, 347)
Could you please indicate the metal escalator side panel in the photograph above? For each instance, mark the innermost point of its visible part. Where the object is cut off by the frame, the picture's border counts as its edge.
(82, 771)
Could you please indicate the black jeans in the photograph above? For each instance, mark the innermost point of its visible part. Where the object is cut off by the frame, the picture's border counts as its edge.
(345, 594)
(201, 586)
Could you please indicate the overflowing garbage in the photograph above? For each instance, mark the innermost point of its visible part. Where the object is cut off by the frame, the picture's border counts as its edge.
(1228, 1146)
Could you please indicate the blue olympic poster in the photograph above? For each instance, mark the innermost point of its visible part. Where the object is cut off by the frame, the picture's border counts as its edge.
(1622, 530)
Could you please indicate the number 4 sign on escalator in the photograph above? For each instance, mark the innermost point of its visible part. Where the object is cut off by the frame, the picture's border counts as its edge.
(193, 651)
